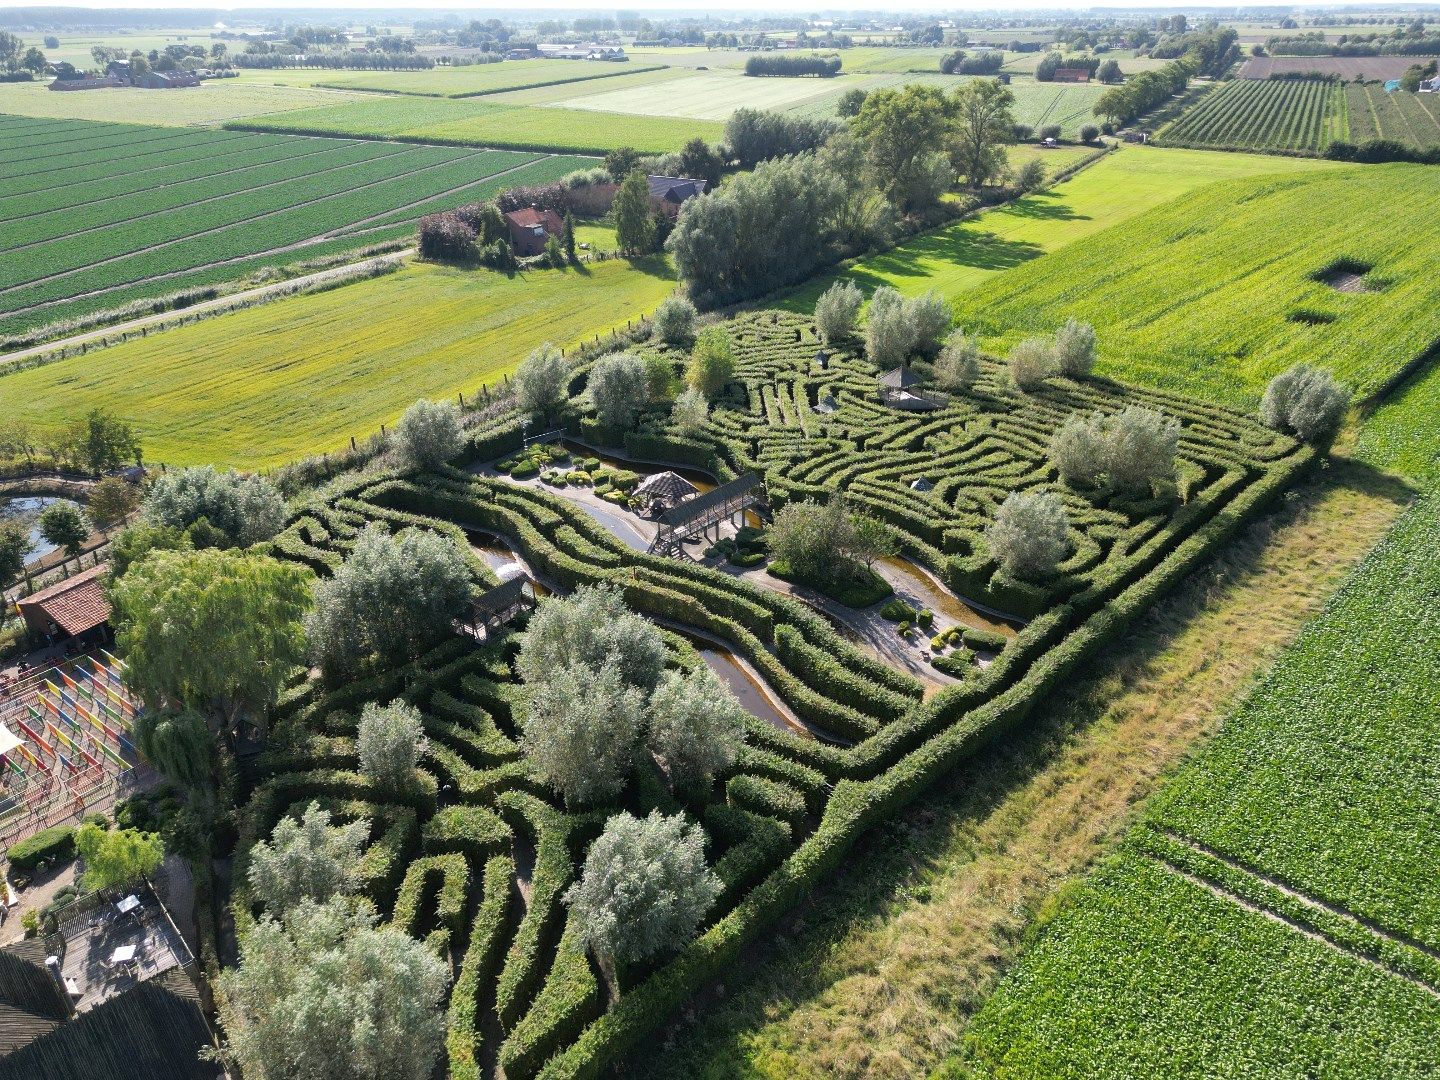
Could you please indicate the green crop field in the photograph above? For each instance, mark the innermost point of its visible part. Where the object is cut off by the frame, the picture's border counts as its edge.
(1255, 114)
(1229, 290)
(211, 102)
(1071, 105)
(99, 214)
(269, 384)
(1413, 119)
(1313, 805)
(472, 80)
(890, 61)
(482, 123)
(1130, 181)
(634, 78)
(711, 95)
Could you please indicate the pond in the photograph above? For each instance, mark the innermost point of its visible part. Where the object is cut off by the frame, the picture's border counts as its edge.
(912, 582)
(26, 510)
(497, 553)
(748, 690)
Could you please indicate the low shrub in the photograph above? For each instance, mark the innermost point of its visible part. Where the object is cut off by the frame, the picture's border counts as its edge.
(47, 847)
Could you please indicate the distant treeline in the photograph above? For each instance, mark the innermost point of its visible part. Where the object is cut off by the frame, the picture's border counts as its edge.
(361, 61)
(958, 63)
(823, 66)
(1371, 45)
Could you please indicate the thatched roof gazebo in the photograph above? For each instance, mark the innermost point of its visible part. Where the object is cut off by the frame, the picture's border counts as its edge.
(662, 490)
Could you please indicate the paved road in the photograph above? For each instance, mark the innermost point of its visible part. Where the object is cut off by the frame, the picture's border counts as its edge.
(219, 304)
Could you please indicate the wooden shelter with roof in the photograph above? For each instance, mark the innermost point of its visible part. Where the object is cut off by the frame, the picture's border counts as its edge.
(900, 390)
(662, 490)
(498, 606)
(72, 608)
(696, 517)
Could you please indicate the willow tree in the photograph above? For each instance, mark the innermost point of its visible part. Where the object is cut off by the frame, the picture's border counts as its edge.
(982, 123)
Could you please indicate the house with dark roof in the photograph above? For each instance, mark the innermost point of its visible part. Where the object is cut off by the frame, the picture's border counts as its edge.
(668, 193)
(71, 608)
(530, 228)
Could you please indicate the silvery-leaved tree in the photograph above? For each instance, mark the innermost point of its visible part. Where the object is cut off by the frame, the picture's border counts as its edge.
(325, 994)
(644, 889)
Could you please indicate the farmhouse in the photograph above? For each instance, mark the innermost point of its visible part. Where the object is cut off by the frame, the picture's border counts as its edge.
(165, 80)
(1430, 86)
(84, 84)
(586, 51)
(667, 193)
(530, 228)
(1074, 75)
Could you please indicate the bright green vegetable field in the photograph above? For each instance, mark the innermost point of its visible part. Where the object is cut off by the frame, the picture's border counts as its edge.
(470, 122)
(291, 378)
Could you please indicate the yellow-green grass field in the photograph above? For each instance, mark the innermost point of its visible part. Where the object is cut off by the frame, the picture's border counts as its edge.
(969, 253)
(472, 80)
(599, 236)
(212, 102)
(300, 376)
(1217, 293)
(470, 122)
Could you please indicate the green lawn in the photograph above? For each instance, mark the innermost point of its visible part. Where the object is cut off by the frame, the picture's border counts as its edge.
(482, 123)
(212, 102)
(476, 79)
(967, 254)
(298, 376)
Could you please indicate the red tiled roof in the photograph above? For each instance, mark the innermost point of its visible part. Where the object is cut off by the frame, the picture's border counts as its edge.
(530, 217)
(76, 604)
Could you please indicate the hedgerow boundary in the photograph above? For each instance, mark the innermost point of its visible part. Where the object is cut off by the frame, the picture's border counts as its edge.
(792, 807)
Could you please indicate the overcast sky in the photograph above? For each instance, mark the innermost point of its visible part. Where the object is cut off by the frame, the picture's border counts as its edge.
(609, 6)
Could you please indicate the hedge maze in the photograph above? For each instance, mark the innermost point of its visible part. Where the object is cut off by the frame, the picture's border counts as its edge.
(476, 863)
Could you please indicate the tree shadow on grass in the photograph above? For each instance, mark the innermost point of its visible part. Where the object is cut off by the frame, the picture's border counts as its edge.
(894, 864)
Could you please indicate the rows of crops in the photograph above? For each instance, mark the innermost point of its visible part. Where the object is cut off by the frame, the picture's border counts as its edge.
(99, 233)
(473, 80)
(1413, 119)
(212, 102)
(471, 122)
(1324, 782)
(1248, 114)
(1228, 287)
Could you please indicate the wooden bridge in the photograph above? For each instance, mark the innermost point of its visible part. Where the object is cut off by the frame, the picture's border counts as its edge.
(697, 516)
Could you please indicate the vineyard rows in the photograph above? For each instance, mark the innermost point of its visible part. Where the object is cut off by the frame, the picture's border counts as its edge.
(1285, 114)
(1413, 119)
